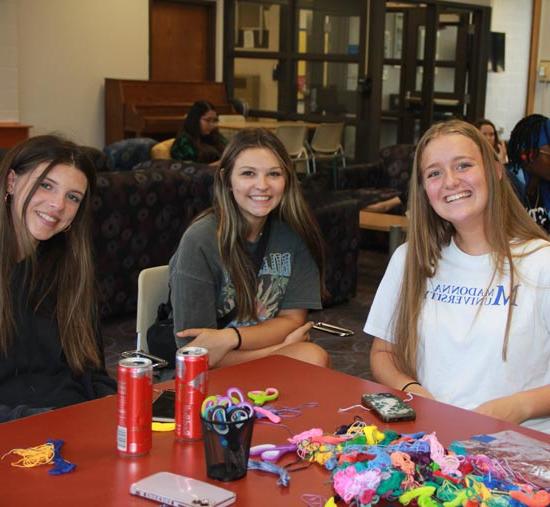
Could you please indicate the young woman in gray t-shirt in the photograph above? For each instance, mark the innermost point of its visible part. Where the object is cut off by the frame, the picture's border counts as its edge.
(238, 308)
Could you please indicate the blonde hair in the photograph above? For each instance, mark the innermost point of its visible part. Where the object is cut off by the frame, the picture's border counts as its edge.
(505, 220)
(233, 228)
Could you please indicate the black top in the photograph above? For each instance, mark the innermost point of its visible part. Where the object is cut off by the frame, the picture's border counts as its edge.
(35, 372)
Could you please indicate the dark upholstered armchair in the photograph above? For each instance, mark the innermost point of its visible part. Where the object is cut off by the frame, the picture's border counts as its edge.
(379, 182)
(124, 155)
(139, 217)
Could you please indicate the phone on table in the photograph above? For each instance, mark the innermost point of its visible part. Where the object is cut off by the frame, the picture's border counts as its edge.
(332, 329)
(158, 362)
(388, 407)
(172, 489)
(163, 407)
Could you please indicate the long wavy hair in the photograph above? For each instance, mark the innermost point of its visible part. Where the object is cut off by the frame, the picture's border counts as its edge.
(192, 128)
(505, 220)
(59, 269)
(484, 121)
(233, 228)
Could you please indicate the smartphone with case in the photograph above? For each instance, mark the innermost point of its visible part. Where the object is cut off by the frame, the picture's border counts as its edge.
(163, 407)
(172, 489)
(332, 329)
(388, 407)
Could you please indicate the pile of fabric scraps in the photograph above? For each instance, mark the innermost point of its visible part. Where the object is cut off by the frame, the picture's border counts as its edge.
(369, 466)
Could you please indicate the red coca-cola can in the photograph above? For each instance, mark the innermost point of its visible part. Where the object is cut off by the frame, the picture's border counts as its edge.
(135, 402)
(191, 384)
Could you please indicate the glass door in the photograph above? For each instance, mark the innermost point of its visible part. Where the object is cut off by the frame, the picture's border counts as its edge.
(430, 69)
(298, 59)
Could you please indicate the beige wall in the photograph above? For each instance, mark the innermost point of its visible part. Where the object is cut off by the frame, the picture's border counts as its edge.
(542, 88)
(66, 48)
(9, 104)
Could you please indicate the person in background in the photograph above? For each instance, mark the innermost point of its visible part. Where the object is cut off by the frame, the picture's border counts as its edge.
(199, 139)
(462, 314)
(50, 349)
(246, 271)
(488, 129)
(529, 167)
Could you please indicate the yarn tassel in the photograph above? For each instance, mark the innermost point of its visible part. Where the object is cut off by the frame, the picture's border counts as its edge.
(264, 466)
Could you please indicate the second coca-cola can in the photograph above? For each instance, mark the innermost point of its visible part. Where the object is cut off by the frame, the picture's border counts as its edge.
(135, 393)
(191, 385)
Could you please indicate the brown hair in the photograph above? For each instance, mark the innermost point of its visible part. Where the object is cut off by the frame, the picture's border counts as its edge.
(233, 228)
(64, 268)
(484, 121)
(428, 233)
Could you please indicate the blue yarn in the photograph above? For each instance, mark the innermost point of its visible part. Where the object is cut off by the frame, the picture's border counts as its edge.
(264, 466)
(61, 466)
(408, 447)
(331, 463)
(458, 449)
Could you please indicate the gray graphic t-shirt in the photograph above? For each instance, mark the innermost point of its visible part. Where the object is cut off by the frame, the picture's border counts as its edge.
(202, 292)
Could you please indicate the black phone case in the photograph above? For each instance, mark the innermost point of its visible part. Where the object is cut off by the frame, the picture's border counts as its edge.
(163, 407)
(388, 407)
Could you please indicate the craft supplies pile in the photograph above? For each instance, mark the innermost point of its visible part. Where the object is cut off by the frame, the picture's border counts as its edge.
(369, 466)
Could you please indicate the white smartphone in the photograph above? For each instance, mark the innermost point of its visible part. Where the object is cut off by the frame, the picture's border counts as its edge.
(180, 491)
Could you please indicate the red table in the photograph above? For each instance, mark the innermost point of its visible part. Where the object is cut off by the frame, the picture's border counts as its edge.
(102, 478)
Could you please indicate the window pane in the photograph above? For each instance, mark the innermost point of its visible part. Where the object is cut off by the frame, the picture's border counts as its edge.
(257, 26)
(446, 43)
(444, 80)
(391, 77)
(324, 33)
(253, 75)
(326, 87)
(388, 132)
(393, 35)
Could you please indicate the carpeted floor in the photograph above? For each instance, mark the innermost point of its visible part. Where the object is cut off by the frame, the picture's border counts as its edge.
(349, 354)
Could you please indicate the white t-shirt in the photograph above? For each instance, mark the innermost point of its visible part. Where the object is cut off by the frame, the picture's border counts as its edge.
(462, 322)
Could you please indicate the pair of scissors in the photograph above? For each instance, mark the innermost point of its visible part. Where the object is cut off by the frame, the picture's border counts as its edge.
(233, 396)
(271, 452)
(260, 397)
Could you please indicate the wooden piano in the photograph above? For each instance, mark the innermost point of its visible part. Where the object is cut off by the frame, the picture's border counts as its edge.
(156, 109)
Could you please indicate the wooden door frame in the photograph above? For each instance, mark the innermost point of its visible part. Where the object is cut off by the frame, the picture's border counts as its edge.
(211, 7)
(533, 57)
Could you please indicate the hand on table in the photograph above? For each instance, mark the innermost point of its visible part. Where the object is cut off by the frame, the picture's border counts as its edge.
(218, 341)
(507, 408)
(300, 334)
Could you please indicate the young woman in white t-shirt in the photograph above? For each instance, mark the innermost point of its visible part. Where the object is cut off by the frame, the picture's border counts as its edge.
(451, 320)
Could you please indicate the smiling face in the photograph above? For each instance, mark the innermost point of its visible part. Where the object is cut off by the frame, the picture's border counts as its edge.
(208, 122)
(53, 205)
(258, 184)
(453, 177)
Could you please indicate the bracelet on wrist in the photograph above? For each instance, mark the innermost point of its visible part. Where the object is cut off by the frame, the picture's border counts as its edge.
(413, 383)
(239, 343)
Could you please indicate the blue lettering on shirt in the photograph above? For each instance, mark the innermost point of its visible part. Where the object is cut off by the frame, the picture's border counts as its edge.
(472, 296)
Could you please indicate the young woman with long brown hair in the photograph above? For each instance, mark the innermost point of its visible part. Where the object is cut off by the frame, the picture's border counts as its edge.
(238, 308)
(50, 351)
(199, 139)
(463, 312)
